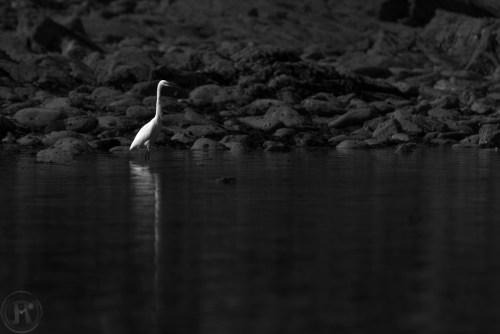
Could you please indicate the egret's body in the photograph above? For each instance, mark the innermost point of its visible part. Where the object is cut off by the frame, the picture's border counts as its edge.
(151, 130)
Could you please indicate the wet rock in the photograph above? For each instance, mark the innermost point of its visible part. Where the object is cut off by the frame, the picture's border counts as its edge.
(481, 108)
(122, 104)
(375, 143)
(64, 151)
(353, 117)
(37, 118)
(284, 133)
(83, 123)
(210, 130)
(322, 108)
(236, 147)
(445, 102)
(109, 122)
(104, 95)
(244, 139)
(29, 140)
(335, 140)
(400, 137)
(205, 95)
(407, 148)
(139, 112)
(350, 144)
(62, 104)
(259, 107)
(465, 145)
(104, 144)
(195, 118)
(307, 139)
(120, 150)
(473, 140)
(387, 129)
(51, 138)
(489, 135)
(464, 40)
(182, 138)
(207, 144)
(443, 114)
(274, 146)
(274, 118)
(382, 107)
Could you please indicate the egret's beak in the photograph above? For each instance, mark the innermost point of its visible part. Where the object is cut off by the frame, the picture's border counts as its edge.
(171, 84)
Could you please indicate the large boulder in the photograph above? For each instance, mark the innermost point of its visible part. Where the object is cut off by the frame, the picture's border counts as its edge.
(64, 151)
(37, 118)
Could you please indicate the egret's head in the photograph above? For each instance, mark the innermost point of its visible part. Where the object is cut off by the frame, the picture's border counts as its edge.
(166, 83)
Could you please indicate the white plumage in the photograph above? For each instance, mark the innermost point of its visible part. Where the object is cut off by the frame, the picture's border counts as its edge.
(148, 134)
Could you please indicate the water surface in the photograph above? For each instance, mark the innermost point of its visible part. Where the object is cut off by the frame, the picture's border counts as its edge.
(303, 242)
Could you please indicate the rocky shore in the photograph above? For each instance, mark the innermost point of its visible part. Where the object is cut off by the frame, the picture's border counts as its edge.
(78, 78)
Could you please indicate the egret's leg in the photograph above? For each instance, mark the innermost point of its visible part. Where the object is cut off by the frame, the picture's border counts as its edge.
(146, 156)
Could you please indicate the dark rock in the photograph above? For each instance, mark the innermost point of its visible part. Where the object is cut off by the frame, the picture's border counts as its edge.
(481, 107)
(375, 143)
(104, 144)
(443, 114)
(387, 129)
(62, 104)
(6, 125)
(473, 140)
(195, 118)
(350, 144)
(284, 133)
(407, 148)
(64, 151)
(465, 145)
(400, 137)
(274, 118)
(139, 112)
(322, 108)
(37, 118)
(29, 140)
(205, 95)
(210, 130)
(489, 135)
(51, 138)
(353, 117)
(125, 67)
(207, 144)
(108, 122)
(84, 123)
(307, 139)
(244, 139)
(236, 147)
(274, 146)
(43, 34)
(465, 40)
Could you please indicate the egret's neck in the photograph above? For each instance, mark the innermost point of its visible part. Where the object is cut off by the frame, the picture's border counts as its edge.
(158, 102)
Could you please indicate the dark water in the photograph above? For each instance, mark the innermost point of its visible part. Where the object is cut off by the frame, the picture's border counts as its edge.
(304, 242)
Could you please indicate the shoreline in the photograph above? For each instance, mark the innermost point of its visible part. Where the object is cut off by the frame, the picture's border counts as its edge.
(396, 86)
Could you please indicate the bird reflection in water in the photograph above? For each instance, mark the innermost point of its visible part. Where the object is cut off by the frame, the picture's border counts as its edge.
(146, 187)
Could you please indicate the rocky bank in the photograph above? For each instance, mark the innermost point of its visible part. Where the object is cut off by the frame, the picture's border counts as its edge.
(77, 78)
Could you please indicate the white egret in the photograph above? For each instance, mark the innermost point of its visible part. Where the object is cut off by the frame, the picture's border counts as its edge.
(151, 130)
